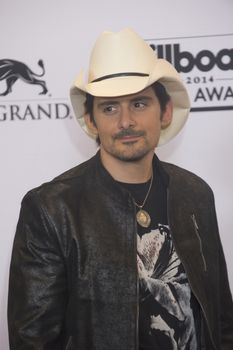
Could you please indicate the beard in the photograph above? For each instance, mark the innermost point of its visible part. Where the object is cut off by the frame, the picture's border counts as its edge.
(130, 154)
(129, 151)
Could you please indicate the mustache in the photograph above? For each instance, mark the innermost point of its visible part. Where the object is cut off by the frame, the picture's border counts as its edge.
(128, 132)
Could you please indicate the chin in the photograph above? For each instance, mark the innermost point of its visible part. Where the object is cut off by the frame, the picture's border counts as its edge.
(132, 156)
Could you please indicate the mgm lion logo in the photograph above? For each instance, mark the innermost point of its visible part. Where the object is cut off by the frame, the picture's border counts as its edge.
(11, 71)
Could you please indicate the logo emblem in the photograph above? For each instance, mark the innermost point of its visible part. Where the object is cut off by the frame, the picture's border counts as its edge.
(11, 71)
(206, 66)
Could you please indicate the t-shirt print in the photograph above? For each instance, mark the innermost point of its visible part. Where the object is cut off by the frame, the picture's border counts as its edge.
(164, 287)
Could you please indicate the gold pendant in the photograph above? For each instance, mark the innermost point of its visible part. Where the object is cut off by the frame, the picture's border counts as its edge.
(143, 218)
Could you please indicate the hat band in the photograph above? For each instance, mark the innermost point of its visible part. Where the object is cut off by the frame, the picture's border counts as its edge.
(127, 74)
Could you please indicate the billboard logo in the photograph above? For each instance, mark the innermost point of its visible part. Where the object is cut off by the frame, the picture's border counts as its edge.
(204, 60)
(11, 71)
(206, 66)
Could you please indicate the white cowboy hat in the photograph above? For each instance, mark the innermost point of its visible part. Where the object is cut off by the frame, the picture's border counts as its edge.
(123, 63)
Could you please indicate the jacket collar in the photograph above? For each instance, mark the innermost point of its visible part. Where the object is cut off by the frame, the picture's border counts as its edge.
(157, 169)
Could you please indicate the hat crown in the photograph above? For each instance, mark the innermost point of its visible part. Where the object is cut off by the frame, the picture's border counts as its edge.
(121, 52)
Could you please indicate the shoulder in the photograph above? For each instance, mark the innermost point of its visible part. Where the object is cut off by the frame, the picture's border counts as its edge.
(186, 180)
(73, 181)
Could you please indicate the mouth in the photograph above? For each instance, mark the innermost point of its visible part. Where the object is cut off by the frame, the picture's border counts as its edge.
(127, 136)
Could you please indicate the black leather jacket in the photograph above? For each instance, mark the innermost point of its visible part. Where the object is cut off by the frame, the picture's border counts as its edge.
(73, 276)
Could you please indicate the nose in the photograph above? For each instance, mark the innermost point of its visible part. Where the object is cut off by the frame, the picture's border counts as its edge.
(126, 118)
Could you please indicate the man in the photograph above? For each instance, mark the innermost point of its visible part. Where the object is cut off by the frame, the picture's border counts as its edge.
(123, 251)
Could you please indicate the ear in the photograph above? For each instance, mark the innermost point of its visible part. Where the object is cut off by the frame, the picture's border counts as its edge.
(167, 115)
(90, 124)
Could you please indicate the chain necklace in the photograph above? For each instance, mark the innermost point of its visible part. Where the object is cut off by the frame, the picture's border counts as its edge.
(142, 216)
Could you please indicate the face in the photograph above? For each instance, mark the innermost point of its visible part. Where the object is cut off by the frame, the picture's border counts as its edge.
(129, 126)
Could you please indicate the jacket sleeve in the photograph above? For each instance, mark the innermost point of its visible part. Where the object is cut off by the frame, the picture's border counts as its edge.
(37, 284)
(226, 303)
(226, 306)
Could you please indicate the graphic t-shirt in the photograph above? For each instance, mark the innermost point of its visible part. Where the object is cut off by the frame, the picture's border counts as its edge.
(169, 315)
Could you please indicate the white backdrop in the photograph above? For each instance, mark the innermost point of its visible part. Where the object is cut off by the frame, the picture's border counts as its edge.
(35, 147)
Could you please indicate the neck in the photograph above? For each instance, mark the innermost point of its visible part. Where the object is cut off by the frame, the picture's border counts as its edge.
(128, 171)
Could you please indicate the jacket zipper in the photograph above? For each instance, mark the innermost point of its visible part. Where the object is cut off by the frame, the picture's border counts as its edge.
(137, 282)
(199, 239)
(68, 343)
(177, 251)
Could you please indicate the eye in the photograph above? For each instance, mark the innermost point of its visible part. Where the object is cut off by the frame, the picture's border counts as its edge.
(139, 104)
(109, 109)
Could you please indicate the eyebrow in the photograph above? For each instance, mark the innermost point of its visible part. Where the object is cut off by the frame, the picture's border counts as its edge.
(115, 102)
(141, 97)
(106, 103)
